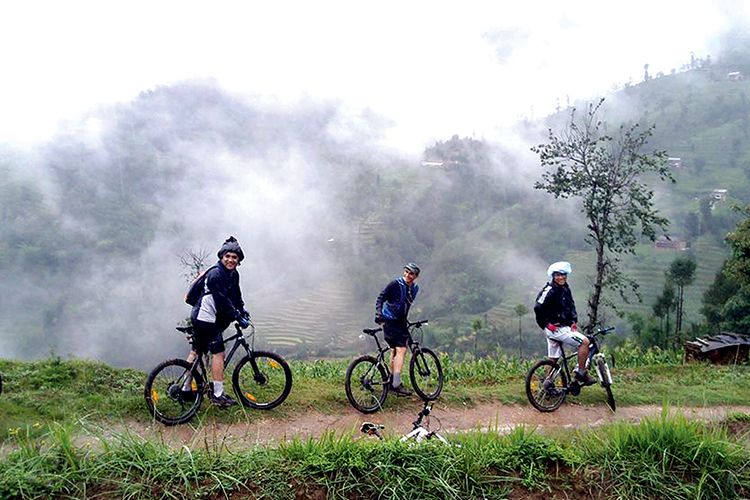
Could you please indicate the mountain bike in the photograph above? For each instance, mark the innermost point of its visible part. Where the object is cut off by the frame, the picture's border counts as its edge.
(419, 432)
(549, 382)
(368, 378)
(175, 389)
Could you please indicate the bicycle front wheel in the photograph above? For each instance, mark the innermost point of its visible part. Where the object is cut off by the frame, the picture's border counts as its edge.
(366, 384)
(426, 374)
(262, 380)
(546, 386)
(174, 394)
(605, 378)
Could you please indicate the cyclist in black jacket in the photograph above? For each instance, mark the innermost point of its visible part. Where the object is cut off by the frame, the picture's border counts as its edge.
(219, 305)
(391, 310)
(556, 314)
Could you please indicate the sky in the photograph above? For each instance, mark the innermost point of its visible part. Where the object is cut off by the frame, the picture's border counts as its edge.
(433, 69)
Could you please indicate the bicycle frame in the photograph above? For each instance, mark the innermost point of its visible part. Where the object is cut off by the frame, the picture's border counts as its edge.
(574, 387)
(411, 344)
(238, 337)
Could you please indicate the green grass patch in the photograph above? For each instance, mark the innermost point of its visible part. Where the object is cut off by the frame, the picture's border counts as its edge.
(53, 390)
(667, 457)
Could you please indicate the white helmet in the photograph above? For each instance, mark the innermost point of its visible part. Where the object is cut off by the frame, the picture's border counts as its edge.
(561, 267)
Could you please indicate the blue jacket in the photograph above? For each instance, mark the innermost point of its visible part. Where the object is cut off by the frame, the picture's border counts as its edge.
(395, 300)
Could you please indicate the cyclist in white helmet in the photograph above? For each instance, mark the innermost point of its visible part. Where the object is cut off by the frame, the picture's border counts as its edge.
(556, 313)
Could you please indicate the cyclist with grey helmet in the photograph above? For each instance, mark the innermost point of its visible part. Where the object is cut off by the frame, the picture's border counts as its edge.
(392, 310)
(556, 314)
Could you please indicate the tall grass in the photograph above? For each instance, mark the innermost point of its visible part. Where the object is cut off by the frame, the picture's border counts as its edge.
(667, 457)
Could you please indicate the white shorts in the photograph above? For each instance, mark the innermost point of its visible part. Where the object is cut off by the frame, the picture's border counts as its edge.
(565, 335)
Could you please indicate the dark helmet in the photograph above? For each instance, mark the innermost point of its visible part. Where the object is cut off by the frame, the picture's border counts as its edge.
(231, 245)
(411, 266)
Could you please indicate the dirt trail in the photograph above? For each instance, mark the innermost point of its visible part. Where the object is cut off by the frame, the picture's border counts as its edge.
(495, 417)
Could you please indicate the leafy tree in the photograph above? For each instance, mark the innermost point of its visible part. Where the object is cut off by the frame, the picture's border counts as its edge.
(663, 306)
(521, 311)
(682, 273)
(714, 298)
(606, 172)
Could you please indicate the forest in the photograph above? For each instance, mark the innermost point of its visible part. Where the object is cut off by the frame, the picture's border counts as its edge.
(97, 223)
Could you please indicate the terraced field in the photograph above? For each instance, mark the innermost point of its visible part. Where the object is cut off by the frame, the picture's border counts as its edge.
(326, 316)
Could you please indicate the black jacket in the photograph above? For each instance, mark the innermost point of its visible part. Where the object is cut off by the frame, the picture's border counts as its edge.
(224, 288)
(554, 304)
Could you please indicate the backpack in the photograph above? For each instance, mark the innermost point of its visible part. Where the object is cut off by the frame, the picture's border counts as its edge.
(195, 292)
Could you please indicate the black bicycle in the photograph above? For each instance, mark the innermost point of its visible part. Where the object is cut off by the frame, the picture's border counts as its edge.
(175, 389)
(368, 378)
(549, 382)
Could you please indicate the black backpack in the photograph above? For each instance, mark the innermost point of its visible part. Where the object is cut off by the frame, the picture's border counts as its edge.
(195, 292)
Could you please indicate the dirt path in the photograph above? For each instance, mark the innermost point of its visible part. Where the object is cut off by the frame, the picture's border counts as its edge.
(500, 418)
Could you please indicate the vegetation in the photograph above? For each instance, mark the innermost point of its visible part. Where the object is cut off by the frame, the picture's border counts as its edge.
(666, 457)
(607, 173)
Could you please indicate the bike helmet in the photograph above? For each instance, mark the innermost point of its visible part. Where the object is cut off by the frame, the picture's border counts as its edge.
(231, 245)
(561, 267)
(411, 266)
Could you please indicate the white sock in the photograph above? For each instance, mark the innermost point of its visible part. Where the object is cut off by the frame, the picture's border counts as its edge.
(218, 388)
(396, 379)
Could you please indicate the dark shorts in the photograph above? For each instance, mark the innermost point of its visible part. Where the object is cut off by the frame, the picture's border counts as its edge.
(207, 337)
(395, 333)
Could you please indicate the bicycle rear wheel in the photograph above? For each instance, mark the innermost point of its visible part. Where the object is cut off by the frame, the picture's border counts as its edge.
(546, 386)
(605, 378)
(262, 380)
(366, 384)
(426, 374)
(167, 399)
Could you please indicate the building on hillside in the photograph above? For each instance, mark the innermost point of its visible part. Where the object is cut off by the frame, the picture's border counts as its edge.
(665, 243)
(674, 162)
(735, 76)
(719, 194)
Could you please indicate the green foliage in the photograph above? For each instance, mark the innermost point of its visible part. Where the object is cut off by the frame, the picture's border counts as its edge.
(606, 172)
(668, 457)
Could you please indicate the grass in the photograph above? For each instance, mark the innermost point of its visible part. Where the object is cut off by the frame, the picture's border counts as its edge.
(39, 393)
(667, 457)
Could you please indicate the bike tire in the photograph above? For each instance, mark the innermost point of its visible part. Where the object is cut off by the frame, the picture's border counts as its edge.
(165, 399)
(426, 374)
(262, 380)
(366, 384)
(605, 379)
(546, 399)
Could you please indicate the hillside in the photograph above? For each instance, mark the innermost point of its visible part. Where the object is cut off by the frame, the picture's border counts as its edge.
(327, 220)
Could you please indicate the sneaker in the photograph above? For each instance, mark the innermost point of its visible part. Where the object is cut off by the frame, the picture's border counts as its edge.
(223, 401)
(400, 390)
(585, 379)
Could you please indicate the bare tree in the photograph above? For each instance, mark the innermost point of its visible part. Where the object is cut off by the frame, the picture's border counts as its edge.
(194, 262)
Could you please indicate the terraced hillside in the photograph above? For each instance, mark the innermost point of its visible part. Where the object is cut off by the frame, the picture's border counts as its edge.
(326, 317)
(646, 267)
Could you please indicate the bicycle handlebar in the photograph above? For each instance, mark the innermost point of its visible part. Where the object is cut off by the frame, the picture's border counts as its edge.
(415, 324)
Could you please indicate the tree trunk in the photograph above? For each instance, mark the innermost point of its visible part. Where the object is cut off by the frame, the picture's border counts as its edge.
(678, 319)
(596, 295)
